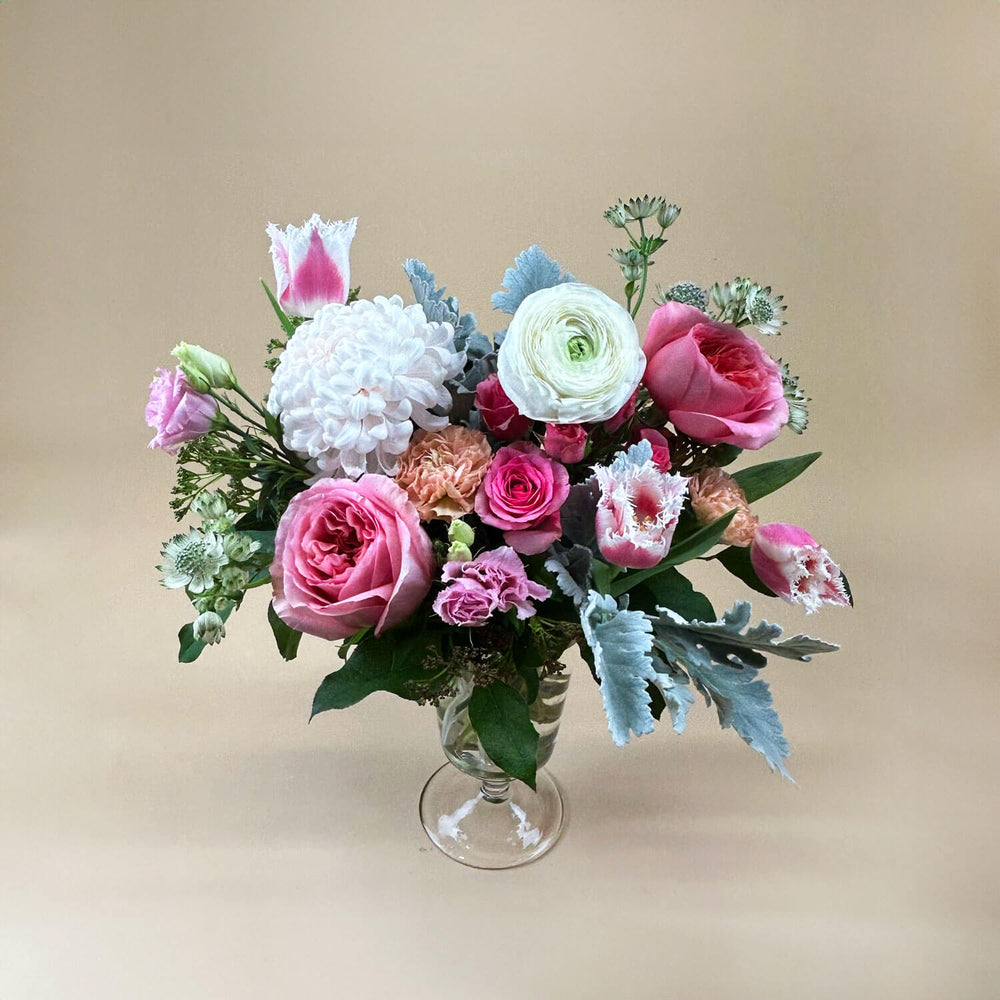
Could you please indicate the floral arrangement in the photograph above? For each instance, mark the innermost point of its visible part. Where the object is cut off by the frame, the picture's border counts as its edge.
(449, 506)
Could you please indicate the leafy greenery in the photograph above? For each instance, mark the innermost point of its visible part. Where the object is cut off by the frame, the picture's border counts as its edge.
(533, 270)
(286, 638)
(736, 558)
(760, 480)
(189, 647)
(502, 720)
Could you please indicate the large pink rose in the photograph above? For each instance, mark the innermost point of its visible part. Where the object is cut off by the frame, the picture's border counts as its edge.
(522, 493)
(715, 383)
(348, 555)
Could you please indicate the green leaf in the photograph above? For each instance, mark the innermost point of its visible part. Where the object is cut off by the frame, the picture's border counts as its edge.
(759, 480)
(261, 577)
(377, 664)
(603, 574)
(737, 560)
(725, 454)
(671, 589)
(847, 587)
(265, 538)
(189, 647)
(695, 545)
(528, 659)
(285, 636)
(501, 719)
(286, 324)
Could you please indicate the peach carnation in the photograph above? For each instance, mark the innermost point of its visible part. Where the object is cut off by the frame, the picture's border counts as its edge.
(441, 471)
(714, 493)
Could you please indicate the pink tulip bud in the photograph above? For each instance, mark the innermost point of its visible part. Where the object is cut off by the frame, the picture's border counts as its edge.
(790, 562)
(312, 264)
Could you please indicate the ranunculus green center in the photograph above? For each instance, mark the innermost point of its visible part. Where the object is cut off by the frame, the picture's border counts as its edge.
(580, 348)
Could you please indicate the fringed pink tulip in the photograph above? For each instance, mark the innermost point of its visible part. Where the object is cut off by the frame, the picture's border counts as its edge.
(312, 264)
(791, 563)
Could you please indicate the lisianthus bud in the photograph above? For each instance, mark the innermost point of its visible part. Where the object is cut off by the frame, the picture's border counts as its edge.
(791, 563)
(459, 531)
(204, 370)
(459, 552)
(209, 628)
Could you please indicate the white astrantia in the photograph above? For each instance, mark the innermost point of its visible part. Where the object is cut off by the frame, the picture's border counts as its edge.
(192, 560)
(354, 382)
(570, 356)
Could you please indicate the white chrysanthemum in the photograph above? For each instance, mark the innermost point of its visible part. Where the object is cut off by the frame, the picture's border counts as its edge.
(354, 381)
(192, 560)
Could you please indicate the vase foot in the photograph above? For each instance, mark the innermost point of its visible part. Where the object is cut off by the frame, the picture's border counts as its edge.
(482, 826)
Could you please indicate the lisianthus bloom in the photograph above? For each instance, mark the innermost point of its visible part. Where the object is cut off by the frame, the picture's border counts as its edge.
(713, 493)
(638, 509)
(500, 415)
(565, 442)
(522, 493)
(176, 412)
(715, 383)
(570, 356)
(441, 471)
(791, 563)
(493, 581)
(312, 264)
(353, 382)
(348, 555)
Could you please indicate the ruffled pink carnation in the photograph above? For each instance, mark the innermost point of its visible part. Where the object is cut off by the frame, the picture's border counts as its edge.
(441, 471)
(493, 581)
(714, 493)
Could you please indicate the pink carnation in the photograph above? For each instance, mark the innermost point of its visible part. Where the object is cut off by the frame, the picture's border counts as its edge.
(713, 493)
(493, 581)
(176, 412)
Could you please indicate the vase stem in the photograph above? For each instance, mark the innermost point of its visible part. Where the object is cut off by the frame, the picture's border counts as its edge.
(495, 791)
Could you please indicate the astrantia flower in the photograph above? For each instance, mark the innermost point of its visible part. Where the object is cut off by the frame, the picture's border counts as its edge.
(192, 560)
(764, 309)
(209, 628)
(638, 509)
(354, 381)
(571, 356)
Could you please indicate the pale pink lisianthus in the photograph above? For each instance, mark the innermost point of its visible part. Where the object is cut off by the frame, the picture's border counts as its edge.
(312, 264)
(176, 412)
(565, 442)
(521, 494)
(493, 581)
(441, 471)
(792, 564)
(348, 555)
(716, 384)
(713, 493)
(638, 509)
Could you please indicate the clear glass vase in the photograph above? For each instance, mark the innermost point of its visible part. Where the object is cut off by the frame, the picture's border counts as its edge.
(476, 813)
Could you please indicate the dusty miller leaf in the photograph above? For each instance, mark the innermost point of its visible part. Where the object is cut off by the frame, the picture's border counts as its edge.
(533, 270)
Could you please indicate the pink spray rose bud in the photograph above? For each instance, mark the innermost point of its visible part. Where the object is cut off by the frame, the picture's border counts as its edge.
(790, 562)
(522, 493)
(565, 442)
(638, 509)
(627, 412)
(312, 264)
(660, 444)
(176, 412)
(716, 384)
(499, 414)
(348, 555)
(714, 493)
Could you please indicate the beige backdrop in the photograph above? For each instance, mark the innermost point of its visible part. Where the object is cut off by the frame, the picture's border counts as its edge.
(177, 831)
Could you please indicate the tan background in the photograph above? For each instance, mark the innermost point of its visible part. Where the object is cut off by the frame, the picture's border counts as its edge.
(178, 831)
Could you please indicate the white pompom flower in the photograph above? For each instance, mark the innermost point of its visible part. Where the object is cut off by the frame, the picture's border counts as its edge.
(354, 382)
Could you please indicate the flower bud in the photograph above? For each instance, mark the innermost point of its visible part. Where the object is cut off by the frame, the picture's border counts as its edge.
(667, 214)
(239, 546)
(459, 552)
(209, 628)
(792, 564)
(204, 370)
(459, 531)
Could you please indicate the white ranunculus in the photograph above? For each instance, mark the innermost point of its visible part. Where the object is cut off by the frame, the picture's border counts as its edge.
(571, 356)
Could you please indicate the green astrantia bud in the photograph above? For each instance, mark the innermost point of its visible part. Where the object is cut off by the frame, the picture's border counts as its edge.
(239, 547)
(644, 207)
(459, 531)
(631, 272)
(667, 215)
(233, 579)
(616, 216)
(210, 505)
(798, 412)
(204, 370)
(209, 628)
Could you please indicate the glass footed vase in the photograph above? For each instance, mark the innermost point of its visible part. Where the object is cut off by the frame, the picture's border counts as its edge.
(476, 813)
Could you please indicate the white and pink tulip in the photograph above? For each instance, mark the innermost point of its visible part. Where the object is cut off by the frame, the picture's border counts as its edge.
(791, 563)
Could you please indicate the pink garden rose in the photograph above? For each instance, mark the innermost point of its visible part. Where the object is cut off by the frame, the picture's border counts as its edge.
(566, 443)
(493, 581)
(312, 264)
(716, 384)
(500, 415)
(176, 412)
(790, 562)
(522, 493)
(638, 509)
(348, 555)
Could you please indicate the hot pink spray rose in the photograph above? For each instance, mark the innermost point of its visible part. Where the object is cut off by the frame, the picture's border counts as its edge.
(312, 264)
(715, 383)
(522, 493)
(789, 561)
(499, 414)
(176, 412)
(660, 444)
(493, 581)
(566, 442)
(348, 555)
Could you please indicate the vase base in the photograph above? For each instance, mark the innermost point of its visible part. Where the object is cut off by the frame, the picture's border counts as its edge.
(475, 826)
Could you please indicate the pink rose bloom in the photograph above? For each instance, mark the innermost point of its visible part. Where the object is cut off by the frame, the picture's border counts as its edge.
(715, 383)
(661, 447)
(493, 581)
(522, 493)
(638, 509)
(790, 562)
(499, 414)
(312, 264)
(348, 555)
(565, 442)
(176, 412)
(627, 412)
